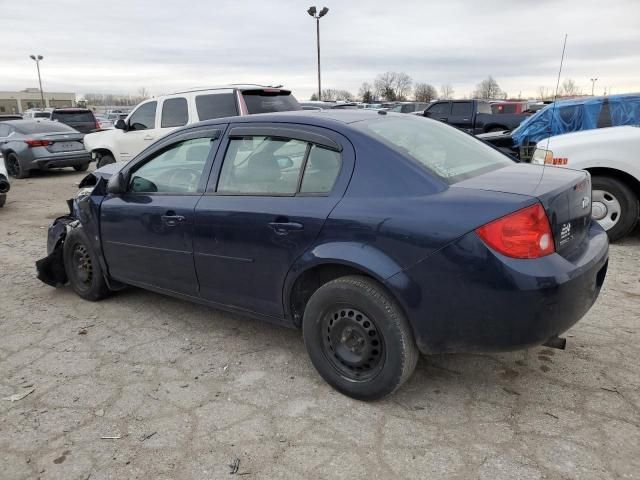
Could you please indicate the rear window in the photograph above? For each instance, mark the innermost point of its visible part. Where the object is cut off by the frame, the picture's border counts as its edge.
(44, 126)
(261, 101)
(216, 105)
(444, 151)
(76, 117)
(41, 115)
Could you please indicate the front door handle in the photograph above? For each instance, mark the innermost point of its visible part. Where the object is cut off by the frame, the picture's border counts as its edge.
(172, 220)
(283, 228)
(443, 119)
(148, 137)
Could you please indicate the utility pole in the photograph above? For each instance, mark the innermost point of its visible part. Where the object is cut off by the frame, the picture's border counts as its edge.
(37, 59)
(318, 15)
(593, 85)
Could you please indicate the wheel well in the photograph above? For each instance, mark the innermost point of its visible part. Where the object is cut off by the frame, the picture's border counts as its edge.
(624, 177)
(102, 151)
(494, 125)
(309, 281)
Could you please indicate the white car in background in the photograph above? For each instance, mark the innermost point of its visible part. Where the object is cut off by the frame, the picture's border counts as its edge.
(612, 157)
(159, 116)
(4, 182)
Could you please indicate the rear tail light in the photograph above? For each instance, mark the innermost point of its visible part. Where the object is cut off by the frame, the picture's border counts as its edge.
(37, 143)
(98, 126)
(522, 234)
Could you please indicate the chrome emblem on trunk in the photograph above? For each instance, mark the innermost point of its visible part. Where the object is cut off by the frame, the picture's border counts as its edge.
(585, 202)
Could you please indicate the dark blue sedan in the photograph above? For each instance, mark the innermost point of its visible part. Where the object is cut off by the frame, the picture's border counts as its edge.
(381, 235)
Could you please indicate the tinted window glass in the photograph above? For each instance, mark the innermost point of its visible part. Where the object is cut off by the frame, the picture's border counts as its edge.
(216, 105)
(74, 117)
(43, 126)
(321, 171)
(439, 109)
(144, 117)
(262, 166)
(260, 101)
(483, 107)
(446, 152)
(461, 109)
(41, 115)
(176, 170)
(174, 113)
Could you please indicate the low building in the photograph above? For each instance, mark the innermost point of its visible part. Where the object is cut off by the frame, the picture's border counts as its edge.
(18, 102)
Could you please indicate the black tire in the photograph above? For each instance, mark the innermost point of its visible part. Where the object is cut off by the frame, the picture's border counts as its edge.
(82, 267)
(628, 201)
(105, 159)
(3, 199)
(497, 128)
(81, 168)
(358, 339)
(15, 169)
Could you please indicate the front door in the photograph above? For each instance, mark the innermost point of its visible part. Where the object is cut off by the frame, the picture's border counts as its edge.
(147, 232)
(274, 193)
(141, 131)
(439, 111)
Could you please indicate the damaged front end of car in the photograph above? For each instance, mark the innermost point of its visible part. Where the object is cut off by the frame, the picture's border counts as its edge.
(84, 210)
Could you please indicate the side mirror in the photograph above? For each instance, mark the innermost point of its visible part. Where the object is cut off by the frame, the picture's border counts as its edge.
(120, 124)
(117, 184)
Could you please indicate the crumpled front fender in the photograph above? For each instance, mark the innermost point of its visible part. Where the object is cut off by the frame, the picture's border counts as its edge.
(51, 268)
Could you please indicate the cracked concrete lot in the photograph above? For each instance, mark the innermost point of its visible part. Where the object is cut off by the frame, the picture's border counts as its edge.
(145, 386)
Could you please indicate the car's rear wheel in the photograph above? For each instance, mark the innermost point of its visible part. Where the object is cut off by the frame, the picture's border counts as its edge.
(83, 267)
(105, 159)
(358, 338)
(81, 168)
(614, 206)
(15, 168)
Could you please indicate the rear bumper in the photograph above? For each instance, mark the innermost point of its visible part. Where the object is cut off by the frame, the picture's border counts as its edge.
(61, 160)
(467, 298)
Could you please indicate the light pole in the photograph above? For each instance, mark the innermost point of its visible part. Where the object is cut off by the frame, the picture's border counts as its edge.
(318, 15)
(37, 59)
(593, 85)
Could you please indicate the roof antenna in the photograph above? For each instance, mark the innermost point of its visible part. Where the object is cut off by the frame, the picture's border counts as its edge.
(555, 97)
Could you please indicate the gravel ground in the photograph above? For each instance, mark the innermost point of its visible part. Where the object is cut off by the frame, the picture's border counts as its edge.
(145, 386)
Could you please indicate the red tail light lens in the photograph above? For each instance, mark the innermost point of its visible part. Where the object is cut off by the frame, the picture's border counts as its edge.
(522, 234)
(38, 143)
(98, 125)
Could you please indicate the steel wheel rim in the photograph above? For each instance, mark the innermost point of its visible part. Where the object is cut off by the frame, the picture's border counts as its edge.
(82, 266)
(352, 343)
(605, 208)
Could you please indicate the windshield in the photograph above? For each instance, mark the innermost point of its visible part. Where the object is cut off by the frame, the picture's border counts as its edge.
(444, 151)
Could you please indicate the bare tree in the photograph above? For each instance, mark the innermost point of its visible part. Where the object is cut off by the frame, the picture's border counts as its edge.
(332, 95)
(488, 89)
(143, 93)
(393, 85)
(446, 91)
(314, 97)
(423, 92)
(366, 92)
(543, 93)
(569, 88)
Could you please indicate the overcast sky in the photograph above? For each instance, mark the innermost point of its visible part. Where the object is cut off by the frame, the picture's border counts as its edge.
(117, 46)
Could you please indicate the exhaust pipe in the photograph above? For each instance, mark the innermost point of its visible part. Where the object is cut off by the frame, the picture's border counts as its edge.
(5, 186)
(556, 342)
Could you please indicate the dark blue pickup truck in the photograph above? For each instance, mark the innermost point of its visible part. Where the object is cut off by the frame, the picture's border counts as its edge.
(473, 116)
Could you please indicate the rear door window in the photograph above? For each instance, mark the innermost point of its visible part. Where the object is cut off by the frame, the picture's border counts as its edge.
(174, 112)
(321, 170)
(216, 105)
(461, 109)
(144, 117)
(265, 101)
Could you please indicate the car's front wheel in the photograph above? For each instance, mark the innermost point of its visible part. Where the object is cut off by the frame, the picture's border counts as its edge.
(105, 159)
(82, 266)
(82, 167)
(614, 206)
(15, 168)
(358, 338)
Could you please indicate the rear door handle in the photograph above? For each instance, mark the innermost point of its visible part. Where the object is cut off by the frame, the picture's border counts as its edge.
(283, 228)
(172, 220)
(443, 119)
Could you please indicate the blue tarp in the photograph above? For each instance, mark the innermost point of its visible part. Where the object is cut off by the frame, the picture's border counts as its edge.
(566, 116)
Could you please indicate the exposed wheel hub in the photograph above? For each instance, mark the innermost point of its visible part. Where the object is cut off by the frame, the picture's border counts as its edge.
(82, 264)
(352, 343)
(605, 209)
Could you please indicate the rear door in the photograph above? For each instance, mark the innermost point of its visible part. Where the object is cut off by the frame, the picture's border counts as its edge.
(277, 185)
(461, 115)
(147, 231)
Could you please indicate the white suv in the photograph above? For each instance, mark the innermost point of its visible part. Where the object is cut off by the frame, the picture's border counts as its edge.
(611, 156)
(158, 116)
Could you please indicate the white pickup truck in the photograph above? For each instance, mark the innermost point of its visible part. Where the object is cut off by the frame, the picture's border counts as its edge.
(612, 156)
(156, 117)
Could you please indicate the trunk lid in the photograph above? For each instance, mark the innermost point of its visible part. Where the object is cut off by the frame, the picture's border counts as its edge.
(564, 193)
(62, 142)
